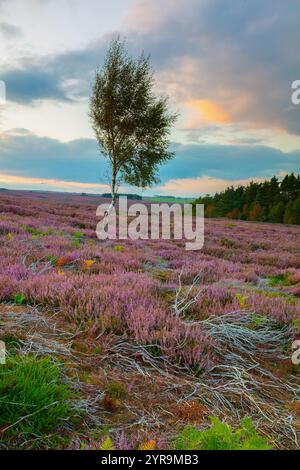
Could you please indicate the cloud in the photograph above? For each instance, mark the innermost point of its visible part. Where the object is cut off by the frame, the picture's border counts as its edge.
(207, 111)
(25, 155)
(63, 77)
(45, 184)
(200, 186)
(9, 31)
(28, 85)
(239, 57)
(228, 67)
(232, 162)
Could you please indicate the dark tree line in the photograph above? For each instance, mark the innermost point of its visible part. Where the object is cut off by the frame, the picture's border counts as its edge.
(270, 201)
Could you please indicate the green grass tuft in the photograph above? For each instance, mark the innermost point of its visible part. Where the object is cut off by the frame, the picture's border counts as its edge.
(116, 390)
(279, 280)
(33, 399)
(19, 299)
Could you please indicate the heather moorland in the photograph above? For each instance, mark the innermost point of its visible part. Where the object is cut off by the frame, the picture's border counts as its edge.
(142, 344)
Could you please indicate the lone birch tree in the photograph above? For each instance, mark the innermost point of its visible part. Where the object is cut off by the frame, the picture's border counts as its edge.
(131, 123)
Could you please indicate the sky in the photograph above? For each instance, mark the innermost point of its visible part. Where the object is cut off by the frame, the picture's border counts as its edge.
(227, 67)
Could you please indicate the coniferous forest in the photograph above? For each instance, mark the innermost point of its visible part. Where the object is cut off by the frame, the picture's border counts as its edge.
(271, 201)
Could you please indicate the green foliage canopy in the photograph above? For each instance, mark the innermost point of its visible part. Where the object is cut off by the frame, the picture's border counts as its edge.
(130, 122)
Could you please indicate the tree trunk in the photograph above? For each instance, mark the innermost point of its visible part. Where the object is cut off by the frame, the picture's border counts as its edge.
(112, 204)
(113, 192)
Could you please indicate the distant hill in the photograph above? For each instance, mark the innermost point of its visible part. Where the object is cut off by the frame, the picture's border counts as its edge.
(129, 196)
(169, 199)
